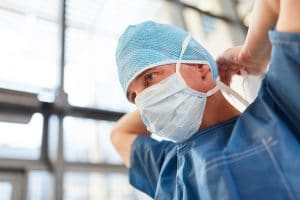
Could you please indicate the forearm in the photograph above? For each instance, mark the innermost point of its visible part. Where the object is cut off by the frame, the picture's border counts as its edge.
(125, 132)
(264, 17)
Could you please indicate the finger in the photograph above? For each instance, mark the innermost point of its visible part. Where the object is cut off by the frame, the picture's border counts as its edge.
(222, 72)
(227, 78)
(224, 77)
(224, 64)
(229, 74)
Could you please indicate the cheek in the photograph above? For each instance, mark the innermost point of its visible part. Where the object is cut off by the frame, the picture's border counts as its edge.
(196, 83)
(193, 80)
(166, 74)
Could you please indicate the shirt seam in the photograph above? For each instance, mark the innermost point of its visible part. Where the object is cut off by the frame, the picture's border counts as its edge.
(284, 42)
(232, 158)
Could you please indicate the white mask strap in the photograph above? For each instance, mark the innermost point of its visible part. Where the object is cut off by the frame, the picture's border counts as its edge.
(230, 91)
(213, 91)
(245, 78)
(178, 64)
(183, 48)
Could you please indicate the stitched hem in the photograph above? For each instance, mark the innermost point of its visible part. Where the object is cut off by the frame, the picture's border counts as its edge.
(231, 158)
(284, 38)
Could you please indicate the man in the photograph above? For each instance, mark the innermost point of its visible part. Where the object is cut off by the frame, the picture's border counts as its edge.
(215, 152)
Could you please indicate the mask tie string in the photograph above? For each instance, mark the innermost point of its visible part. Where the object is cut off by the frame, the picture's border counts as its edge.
(233, 93)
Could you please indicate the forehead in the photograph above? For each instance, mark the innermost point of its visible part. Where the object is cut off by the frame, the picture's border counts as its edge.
(164, 67)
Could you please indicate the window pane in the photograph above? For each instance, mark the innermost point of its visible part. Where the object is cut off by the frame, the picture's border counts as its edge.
(53, 137)
(94, 186)
(91, 73)
(21, 140)
(29, 44)
(40, 185)
(88, 140)
(5, 190)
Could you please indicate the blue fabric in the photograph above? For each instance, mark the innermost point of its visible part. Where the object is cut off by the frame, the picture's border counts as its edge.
(150, 44)
(254, 156)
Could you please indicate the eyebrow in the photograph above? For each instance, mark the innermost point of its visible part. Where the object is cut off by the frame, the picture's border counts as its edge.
(146, 71)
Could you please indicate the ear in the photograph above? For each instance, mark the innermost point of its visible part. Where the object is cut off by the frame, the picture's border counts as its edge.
(204, 69)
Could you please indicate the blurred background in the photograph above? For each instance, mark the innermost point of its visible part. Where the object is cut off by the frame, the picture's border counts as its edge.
(60, 95)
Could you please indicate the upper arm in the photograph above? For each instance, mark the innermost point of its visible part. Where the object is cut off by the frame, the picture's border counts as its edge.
(143, 155)
(127, 129)
(123, 143)
(148, 159)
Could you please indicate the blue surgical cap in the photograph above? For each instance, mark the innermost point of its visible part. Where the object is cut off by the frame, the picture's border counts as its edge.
(150, 44)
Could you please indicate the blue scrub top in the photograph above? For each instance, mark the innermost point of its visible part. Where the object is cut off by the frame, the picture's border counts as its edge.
(254, 156)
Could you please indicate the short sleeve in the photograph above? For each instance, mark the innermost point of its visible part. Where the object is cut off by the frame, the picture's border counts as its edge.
(148, 156)
(283, 78)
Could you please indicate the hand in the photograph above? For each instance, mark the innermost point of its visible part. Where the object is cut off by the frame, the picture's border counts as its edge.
(235, 60)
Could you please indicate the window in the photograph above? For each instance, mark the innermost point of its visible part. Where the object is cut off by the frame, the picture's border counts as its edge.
(21, 140)
(5, 190)
(91, 73)
(29, 45)
(30, 38)
(88, 140)
(40, 185)
(96, 186)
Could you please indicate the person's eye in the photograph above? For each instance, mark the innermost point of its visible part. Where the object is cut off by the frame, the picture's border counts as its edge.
(150, 79)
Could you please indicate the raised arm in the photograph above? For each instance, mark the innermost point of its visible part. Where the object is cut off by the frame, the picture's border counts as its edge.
(267, 14)
(253, 56)
(125, 132)
(282, 80)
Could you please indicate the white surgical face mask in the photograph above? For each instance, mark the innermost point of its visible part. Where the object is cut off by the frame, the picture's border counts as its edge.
(171, 109)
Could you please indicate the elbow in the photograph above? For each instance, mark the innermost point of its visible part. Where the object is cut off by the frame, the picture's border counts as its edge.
(114, 136)
(122, 143)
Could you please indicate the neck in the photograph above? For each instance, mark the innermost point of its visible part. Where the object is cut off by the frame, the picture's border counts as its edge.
(217, 109)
